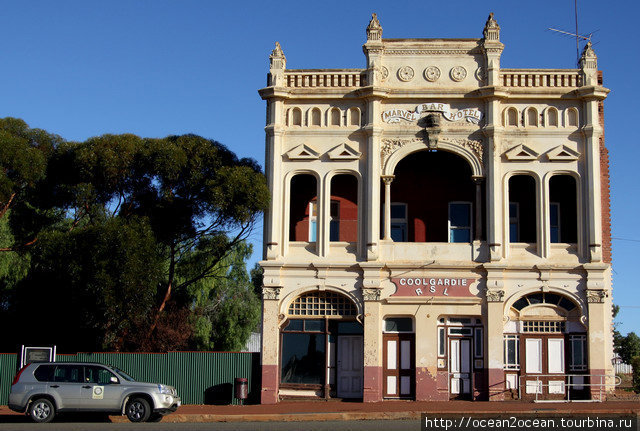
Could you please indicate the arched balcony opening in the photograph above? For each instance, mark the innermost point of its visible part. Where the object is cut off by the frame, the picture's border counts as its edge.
(433, 198)
(563, 207)
(303, 208)
(522, 209)
(343, 209)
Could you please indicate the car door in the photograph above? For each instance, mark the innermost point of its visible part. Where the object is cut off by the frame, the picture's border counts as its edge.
(66, 386)
(101, 389)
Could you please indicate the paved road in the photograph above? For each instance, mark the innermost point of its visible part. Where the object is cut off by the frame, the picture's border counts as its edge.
(20, 423)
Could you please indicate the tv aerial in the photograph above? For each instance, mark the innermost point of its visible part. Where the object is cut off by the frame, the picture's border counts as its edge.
(577, 35)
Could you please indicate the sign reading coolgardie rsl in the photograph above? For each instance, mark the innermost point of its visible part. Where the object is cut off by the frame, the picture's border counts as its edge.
(472, 115)
(432, 286)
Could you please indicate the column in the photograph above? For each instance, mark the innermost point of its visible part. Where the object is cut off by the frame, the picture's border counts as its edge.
(388, 179)
(270, 345)
(495, 331)
(372, 390)
(478, 204)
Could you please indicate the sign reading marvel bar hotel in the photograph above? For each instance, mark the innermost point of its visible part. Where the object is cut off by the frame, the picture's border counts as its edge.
(422, 286)
(472, 115)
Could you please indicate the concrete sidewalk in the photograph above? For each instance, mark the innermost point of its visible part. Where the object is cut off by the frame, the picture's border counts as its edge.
(291, 411)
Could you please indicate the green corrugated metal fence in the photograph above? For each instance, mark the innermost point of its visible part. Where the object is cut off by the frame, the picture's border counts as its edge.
(199, 377)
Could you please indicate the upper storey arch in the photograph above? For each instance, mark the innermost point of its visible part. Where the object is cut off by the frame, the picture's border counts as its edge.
(470, 151)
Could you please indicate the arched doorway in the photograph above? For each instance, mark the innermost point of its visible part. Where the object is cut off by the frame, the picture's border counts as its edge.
(545, 347)
(322, 348)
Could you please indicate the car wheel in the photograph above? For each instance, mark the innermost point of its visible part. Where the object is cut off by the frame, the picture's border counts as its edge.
(155, 417)
(138, 410)
(42, 410)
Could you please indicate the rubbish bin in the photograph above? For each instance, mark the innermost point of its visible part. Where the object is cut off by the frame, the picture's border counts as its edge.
(241, 388)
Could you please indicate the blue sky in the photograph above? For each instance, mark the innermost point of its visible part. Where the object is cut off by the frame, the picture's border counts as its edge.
(155, 68)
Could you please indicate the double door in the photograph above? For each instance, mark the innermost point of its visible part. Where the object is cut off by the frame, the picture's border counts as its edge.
(544, 365)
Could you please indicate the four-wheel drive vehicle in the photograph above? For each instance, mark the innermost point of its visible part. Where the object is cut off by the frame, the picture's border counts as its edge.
(44, 389)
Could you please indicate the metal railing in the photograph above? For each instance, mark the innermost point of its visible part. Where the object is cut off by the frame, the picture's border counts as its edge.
(595, 380)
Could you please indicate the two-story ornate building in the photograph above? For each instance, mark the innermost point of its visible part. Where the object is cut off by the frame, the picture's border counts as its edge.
(439, 226)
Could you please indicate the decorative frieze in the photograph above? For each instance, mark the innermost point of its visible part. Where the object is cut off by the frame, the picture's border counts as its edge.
(271, 293)
(596, 296)
(495, 295)
(371, 294)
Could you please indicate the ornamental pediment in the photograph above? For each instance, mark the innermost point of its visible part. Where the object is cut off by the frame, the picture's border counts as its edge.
(521, 153)
(303, 152)
(344, 152)
(562, 153)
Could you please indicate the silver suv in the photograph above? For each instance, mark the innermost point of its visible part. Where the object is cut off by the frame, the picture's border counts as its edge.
(43, 389)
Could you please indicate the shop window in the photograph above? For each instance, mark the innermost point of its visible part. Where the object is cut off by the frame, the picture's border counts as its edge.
(578, 360)
(303, 208)
(343, 211)
(398, 324)
(399, 222)
(478, 351)
(511, 352)
(522, 201)
(460, 222)
(563, 209)
(303, 352)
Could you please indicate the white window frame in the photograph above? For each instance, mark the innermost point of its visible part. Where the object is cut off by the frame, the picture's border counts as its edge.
(515, 220)
(404, 221)
(551, 206)
(515, 339)
(470, 227)
(313, 221)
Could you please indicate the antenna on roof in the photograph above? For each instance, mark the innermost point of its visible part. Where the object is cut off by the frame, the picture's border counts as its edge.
(577, 35)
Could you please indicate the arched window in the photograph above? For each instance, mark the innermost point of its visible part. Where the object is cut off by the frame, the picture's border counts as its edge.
(315, 117)
(522, 209)
(511, 117)
(551, 117)
(296, 117)
(303, 209)
(572, 117)
(532, 117)
(354, 117)
(334, 115)
(563, 206)
(343, 212)
(322, 303)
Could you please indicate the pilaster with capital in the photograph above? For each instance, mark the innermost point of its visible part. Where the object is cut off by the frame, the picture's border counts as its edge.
(495, 296)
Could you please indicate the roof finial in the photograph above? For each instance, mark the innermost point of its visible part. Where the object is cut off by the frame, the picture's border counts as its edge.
(277, 58)
(374, 29)
(491, 29)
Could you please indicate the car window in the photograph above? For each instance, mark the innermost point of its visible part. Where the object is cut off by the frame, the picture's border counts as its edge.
(68, 373)
(44, 373)
(98, 375)
(124, 375)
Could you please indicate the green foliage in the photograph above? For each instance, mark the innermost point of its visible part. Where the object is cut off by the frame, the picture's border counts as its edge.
(227, 309)
(627, 346)
(635, 363)
(98, 282)
(126, 243)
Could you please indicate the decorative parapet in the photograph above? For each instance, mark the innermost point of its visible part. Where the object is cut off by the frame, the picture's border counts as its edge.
(596, 296)
(271, 293)
(324, 79)
(371, 294)
(495, 295)
(540, 78)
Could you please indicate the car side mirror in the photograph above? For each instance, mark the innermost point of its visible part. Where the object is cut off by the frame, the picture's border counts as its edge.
(114, 380)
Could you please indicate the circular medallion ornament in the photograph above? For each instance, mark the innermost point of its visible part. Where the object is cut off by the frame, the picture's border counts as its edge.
(405, 73)
(384, 73)
(458, 73)
(431, 73)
